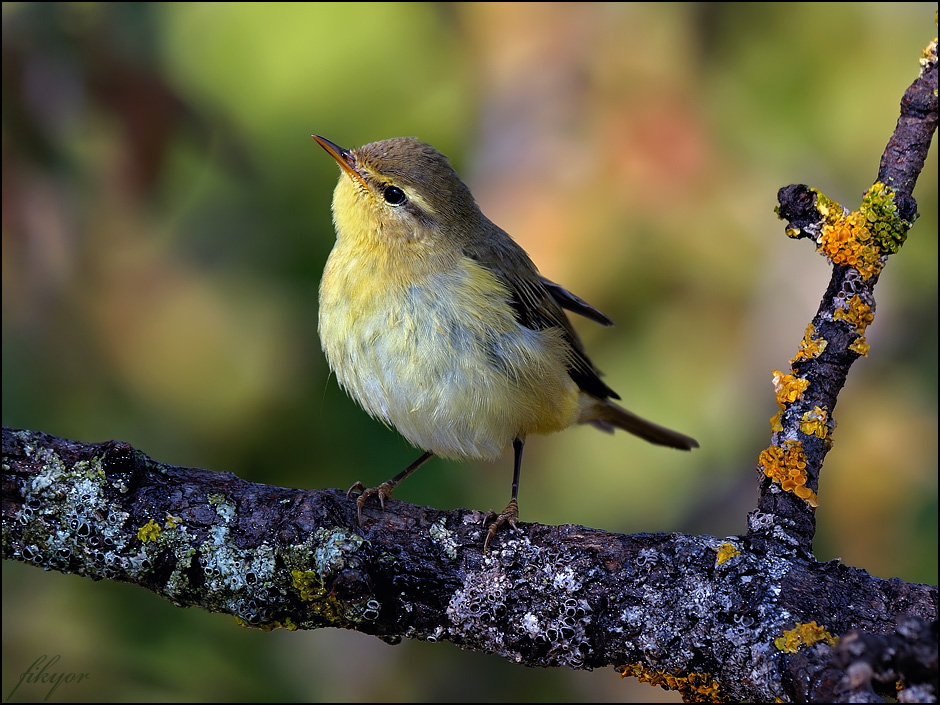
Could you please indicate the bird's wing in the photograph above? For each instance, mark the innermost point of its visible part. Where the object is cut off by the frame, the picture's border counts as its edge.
(575, 304)
(537, 303)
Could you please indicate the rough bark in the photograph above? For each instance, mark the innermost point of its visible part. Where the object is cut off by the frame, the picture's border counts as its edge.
(549, 596)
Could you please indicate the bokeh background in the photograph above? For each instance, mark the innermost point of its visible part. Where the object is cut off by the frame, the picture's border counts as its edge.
(166, 217)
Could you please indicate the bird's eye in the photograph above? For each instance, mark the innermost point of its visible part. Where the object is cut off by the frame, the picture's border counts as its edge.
(394, 195)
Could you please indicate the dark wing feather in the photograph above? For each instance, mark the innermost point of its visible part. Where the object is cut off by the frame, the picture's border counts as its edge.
(537, 303)
(575, 304)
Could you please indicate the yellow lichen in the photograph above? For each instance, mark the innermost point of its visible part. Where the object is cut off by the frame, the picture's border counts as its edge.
(775, 424)
(803, 635)
(693, 687)
(172, 522)
(860, 346)
(929, 53)
(858, 314)
(861, 238)
(830, 210)
(810, 347)
(814, 423)
(888, 229)
(310, 586)
(788, 388)
(786, 466)
(287, 624)
(726, 552)
(149, 531)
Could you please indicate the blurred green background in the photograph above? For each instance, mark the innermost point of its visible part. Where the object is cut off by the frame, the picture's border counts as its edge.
(166, 217)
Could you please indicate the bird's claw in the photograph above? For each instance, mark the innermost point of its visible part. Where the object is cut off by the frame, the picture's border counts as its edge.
(383, 491)
(510, 515)
(356, 487)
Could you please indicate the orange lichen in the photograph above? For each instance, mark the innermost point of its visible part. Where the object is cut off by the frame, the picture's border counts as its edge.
(788, 387)
(803, 635)
(815, 422)
(858, 314)
(775, 424)
(810, 347)
(726, 552)
(693, 687)
(786, 466)
(847, 241)
(861, 239)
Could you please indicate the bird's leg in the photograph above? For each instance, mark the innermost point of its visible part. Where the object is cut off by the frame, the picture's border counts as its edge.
(511, 513)
(384, 491)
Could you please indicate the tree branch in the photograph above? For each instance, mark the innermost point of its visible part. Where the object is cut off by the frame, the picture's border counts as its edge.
(551, 596)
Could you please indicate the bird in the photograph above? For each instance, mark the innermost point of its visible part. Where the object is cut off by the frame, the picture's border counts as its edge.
(438, 324)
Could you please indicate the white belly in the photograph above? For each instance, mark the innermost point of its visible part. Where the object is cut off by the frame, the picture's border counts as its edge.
(446, 365)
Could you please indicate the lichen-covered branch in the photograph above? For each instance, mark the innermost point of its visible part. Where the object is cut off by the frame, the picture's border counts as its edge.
(866, 668)
(858, 245)
(710, 616)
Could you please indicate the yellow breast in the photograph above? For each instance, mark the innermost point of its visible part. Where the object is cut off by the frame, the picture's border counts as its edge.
(431, 347)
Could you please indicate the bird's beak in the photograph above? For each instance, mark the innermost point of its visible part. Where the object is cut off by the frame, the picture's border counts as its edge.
(343, 157)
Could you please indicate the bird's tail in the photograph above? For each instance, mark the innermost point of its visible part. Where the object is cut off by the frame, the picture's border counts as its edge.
(606, 415)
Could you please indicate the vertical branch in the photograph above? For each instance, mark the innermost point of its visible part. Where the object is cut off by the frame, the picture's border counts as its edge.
(858, 245)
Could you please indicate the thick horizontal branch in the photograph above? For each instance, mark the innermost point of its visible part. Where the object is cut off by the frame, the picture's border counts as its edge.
(548, 596)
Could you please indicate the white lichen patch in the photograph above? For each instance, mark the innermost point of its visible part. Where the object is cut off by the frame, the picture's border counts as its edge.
(514, 616)
(223, 507)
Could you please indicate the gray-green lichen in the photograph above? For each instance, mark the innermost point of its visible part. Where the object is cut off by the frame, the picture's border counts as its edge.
(69, 524)
(334, 557)
(444, 538)
(76, 518)
(489, 598)
(223, 507)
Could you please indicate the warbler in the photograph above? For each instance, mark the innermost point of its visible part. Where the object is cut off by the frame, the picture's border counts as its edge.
(437, 322)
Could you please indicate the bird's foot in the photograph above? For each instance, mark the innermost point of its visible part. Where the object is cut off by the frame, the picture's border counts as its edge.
(383, 491)
(510, 515)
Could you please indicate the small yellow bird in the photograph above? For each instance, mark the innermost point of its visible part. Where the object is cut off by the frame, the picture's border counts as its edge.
(437, 323)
